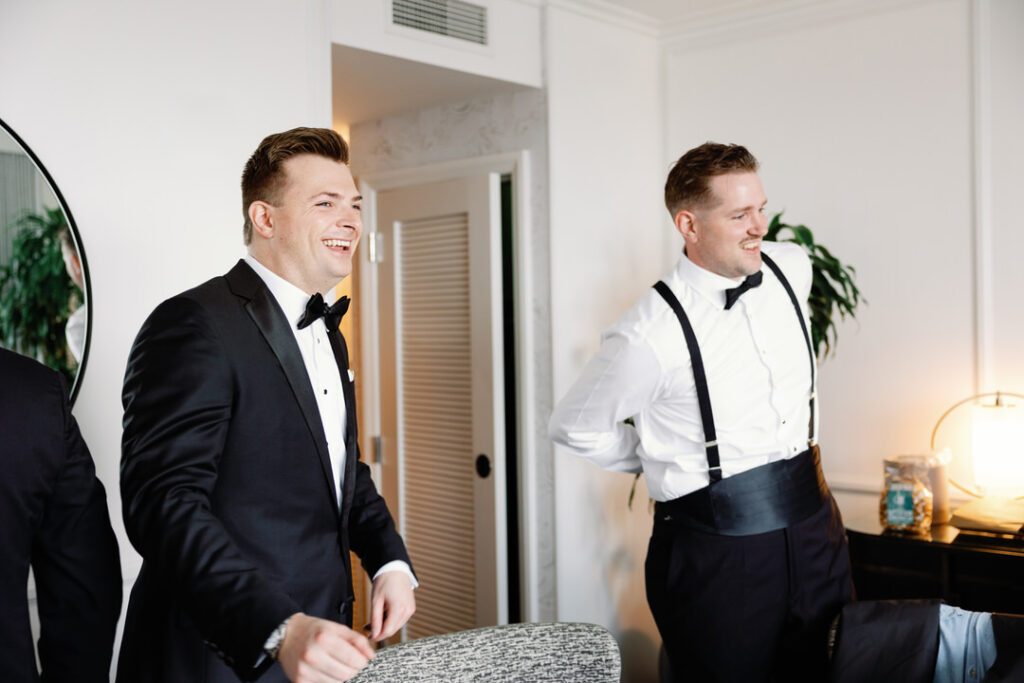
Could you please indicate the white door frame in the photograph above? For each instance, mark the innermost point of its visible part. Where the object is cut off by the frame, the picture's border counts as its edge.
(515, 164)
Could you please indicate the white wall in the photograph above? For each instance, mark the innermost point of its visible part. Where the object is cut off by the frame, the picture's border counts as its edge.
(867, 118)
(1002, 165)
(893, 131)
(607, 241)
(144, 114)
(862, 123)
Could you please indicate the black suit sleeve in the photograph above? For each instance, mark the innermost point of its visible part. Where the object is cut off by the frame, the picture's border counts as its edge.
(76, 564)
(371, 527)
(178, 398)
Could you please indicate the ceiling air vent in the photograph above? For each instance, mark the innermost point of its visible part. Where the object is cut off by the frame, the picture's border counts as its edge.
(452, 18)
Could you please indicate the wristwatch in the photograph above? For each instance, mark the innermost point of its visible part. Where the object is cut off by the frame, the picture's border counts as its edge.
(273, 644)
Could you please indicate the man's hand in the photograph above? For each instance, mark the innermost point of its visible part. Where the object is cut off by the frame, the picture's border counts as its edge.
(391, 604)
(319, 651)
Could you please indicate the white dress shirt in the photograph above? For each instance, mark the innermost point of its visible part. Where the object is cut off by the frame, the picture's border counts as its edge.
(324, 376)
(321, 366)
(758, 373)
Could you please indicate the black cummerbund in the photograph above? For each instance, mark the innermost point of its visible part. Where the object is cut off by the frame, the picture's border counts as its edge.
(762, 499)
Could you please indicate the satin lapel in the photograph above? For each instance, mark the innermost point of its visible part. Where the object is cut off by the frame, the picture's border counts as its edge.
(351, 431)
(270, 320)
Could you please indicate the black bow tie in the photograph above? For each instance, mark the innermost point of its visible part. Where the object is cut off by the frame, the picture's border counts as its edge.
(317, 308)
(751, 281)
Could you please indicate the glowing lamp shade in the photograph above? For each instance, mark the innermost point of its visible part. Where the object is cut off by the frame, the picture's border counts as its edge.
(997, 447)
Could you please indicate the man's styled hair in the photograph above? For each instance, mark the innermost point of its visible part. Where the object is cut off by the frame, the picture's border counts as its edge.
(688, 183)
(263, 178)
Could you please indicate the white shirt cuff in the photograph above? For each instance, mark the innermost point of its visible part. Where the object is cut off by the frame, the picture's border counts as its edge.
(398, 566)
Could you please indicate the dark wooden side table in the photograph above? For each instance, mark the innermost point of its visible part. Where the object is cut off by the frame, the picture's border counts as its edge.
(975, 572)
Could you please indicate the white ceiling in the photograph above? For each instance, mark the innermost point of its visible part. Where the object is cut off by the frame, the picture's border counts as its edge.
(368, 86)
(662, 10)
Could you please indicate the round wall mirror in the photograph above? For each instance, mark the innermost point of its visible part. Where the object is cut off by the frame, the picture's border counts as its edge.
(44, 280)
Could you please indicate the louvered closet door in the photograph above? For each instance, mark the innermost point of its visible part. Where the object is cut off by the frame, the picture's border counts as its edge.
(442, 396)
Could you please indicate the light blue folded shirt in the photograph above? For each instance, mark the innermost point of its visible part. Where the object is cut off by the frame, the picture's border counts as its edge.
(967, 646)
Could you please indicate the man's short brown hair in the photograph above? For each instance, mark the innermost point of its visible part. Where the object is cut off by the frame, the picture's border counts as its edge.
(264, 178)
(688, 183)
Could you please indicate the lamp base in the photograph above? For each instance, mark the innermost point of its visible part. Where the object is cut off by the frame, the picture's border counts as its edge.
(992, 515)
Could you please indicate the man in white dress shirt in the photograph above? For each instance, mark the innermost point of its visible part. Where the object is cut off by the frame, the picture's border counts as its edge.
(241, 483)
(747, 564)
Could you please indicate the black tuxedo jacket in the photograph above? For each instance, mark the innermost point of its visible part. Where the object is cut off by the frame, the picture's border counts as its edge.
(898, 640)
(227, 489)
(53, 514)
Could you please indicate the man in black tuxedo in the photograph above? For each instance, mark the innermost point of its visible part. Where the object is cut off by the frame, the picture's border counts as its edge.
(53, 515)
(240, 473)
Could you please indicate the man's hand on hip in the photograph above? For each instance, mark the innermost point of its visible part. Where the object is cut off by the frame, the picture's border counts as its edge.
(320, 651)
(391, 604)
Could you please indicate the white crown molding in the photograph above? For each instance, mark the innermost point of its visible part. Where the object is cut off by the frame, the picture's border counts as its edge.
(735, 20)
(740, 20)
(609, 13)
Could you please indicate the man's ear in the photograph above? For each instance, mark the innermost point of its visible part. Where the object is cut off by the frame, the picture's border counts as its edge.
(262, 221)
(685, 224)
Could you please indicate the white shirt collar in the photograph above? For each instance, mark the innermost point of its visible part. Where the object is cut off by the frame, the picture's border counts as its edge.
(290, 298)
(710, 285)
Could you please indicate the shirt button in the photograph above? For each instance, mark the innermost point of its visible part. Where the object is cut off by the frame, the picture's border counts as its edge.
(973, 672)
(783, 422)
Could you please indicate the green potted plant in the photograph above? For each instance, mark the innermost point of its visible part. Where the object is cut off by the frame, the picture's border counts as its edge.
(833, 287)
(36, 293)
(833, 291)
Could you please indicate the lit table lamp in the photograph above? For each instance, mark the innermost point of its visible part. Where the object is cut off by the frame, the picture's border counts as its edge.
(997, 455)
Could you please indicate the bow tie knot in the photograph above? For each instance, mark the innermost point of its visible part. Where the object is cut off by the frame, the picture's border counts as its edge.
(317, 308)
(751, 281)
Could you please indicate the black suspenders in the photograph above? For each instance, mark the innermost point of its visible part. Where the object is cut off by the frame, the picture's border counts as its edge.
(803, 327)
(700, 380)
(703, 398)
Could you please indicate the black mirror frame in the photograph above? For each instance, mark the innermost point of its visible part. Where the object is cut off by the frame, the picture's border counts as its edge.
(73, 227)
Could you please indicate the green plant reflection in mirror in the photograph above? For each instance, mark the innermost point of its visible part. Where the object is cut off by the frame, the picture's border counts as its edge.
(44, 283)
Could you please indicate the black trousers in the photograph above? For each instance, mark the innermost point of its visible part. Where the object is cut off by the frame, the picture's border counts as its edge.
(749, 608)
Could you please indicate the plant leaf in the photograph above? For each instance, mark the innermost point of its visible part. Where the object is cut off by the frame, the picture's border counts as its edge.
(833, 286)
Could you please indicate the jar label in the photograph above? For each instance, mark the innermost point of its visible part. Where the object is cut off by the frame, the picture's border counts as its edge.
(900, 504)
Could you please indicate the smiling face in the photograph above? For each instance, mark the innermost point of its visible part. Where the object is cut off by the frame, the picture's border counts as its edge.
(724, 235)
(310, 234)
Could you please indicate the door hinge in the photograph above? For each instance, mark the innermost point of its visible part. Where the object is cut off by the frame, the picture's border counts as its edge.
(375, 246)
(378, 449)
